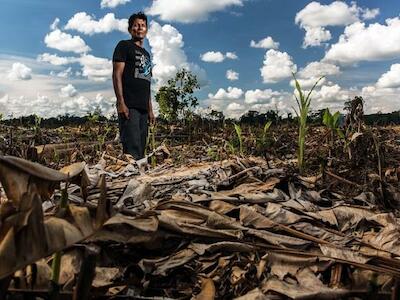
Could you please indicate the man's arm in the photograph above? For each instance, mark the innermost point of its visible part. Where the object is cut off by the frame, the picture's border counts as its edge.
(118, 69)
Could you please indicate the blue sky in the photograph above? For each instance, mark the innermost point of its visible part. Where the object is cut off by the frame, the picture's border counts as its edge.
(55, 55)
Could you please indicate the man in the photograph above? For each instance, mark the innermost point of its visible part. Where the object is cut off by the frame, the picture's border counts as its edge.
(131, 80)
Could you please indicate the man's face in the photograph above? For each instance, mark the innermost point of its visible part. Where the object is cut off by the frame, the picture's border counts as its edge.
(138, 29)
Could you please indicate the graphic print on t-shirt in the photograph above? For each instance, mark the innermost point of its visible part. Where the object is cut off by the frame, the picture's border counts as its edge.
(142, 66)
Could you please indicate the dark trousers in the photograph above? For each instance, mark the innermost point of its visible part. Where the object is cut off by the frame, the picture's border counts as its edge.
(133, 132)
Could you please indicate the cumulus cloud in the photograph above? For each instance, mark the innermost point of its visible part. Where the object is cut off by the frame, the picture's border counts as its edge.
(277, 66)
(112, 3)
(390, 79)
(19, 72)
(84, 23)
(212, 56)
(96, 68)
(367, 43)
(56, 60)
(63, 74)
(315, 36)
(55, 23)
(317, 69)
(232, 75)
(168, 56)
(54, 105)
(188, 11)
(383, 96)
(308, 83)
(42, 96)
(68, 91)
(315, 17)
(216, 56)
(331, 94)
(62, 41)
(234, 106)
(260, 96)
(266, 43)
(231, 93)
(381, 99)
(310, 74)
(234, 102)
(231, 55)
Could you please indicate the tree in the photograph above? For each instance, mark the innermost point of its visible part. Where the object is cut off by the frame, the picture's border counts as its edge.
(176, 99)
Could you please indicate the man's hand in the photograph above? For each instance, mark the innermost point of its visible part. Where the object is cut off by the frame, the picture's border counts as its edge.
(123, 109)
(151, 117)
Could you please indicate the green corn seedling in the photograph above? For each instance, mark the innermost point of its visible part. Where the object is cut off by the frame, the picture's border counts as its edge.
(265, 130)
(303, 103)
(238, 130)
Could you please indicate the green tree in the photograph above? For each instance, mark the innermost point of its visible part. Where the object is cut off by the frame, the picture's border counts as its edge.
(176, 99)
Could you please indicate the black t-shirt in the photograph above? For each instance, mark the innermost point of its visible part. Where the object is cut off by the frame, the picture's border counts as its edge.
(136, 77)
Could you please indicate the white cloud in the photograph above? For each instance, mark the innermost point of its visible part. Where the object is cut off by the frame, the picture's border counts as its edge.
(331, 94)
(19, 72)
(112, 3)
(372, 43)
(315, 36)
(41, 95)
(266, 43)
(62, 41)
(310, 74)
(96, 68)
(231, 55)
(84, 23)
(260, 96)
(232, 75)
(317, 69)
(390, 79)
(380, 99)
(56, 60)
(168, 56)
(384, 96)
(308, 83)
(277, 66)
(217, 56)
(315, 17)
(54, 105)
(63, 74)
(230, 93)
(188, 11)
(68, 91)
(234, 102)
(212, 56)
(369, 14)
(55, 23)
(235, 107)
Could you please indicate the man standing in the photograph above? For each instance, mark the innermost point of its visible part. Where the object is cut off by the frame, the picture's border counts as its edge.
(131, 80)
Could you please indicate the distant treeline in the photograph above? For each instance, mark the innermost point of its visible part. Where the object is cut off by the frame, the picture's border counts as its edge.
(250, 118)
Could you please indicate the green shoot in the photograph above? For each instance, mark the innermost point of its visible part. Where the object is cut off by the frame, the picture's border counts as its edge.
(303, 103)
(265, 130)
(238, 130)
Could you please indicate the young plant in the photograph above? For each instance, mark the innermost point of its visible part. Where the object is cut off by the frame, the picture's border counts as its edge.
(303, 103)
(265, 131)
(331, 121)
(238, 130)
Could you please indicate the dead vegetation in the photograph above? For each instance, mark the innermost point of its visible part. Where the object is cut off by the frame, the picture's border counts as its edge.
(223, 214)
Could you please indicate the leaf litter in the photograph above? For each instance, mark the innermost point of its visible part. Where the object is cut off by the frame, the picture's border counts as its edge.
(239, 228)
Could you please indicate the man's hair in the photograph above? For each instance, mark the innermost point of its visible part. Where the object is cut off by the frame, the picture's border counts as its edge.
(139, 15)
